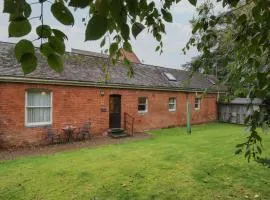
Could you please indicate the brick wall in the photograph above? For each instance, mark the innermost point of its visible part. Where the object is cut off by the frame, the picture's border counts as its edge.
(76, 105)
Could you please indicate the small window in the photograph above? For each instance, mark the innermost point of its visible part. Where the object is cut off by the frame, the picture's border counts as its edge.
(197, 105)
(169, 76)
(38, 108)
(212, 81)
(142, 104)
(172, 104)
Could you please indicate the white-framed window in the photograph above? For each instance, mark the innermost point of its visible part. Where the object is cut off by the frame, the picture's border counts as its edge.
(142, 104)
(172, 104)
(38, 107)
(197, 104)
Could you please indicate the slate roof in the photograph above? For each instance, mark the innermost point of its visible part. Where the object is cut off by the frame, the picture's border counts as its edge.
(255, 101)
(91, 70)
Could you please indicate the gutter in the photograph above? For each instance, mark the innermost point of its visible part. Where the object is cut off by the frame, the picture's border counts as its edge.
(9, 79)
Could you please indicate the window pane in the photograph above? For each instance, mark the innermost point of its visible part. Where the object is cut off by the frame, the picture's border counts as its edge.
(197, 102)
(35, 115)
(39, 107)
(172, 100)
(142, 100)
(172, 106)
(39, 99)
(142, 107)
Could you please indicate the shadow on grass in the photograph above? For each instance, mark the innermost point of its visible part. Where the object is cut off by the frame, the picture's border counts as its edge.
(264, 162)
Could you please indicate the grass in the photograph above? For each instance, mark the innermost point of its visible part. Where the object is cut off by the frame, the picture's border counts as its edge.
(172, 165)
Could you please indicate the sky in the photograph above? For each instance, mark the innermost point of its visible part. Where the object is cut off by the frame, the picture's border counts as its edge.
(178, 34)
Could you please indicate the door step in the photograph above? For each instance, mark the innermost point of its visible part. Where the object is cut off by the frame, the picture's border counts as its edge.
(115, 130)
(117, 133)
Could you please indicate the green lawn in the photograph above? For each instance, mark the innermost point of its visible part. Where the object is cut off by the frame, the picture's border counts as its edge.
(171, 165)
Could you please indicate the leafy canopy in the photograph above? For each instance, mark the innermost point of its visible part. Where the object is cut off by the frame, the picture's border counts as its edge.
(235, 45)
(117, 19)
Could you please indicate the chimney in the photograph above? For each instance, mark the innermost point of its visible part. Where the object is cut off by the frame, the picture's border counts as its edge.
(130, 56)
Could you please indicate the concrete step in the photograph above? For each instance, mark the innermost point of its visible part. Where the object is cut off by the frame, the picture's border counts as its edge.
(118, 134)
(116, 130)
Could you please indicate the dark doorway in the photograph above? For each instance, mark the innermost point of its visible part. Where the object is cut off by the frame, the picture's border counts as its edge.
(115, 111)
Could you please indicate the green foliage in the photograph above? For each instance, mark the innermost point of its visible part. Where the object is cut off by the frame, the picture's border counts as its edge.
(25, 54)
(127, 47)
(79, 3)
(96, 27)
(55, 61)
(193, 2)
(9, 6)
(62, 13)
(237, 42)
(107, 18)
(113, 48)
(46, 49)
(167, 16)
(137, 28)
(44, 31)
(59, 34)
(57, 45)
(19, 27)
(23, 47)
(28, 62)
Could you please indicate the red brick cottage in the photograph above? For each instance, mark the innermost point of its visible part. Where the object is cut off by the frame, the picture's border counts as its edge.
(155, 96)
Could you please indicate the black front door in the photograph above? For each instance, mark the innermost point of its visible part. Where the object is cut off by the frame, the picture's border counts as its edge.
(115, 111)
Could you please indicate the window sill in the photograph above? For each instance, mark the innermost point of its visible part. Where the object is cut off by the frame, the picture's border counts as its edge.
(196, 109)
(172, 110)
(142, 112)
(38, 125)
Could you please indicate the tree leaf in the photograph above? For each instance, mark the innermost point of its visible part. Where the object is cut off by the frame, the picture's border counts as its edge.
(59, 34)
(127, 46)
(57, 45)
(62, 13)
(19, 28)
(242, 19)
(193, 2)
(55, 61)
(27, 10)
(28, 62)
(137, 29)
(96, 28)
(102, 7)
(167, 16)
(44, 31)
(9, 6)
(103, 42)
(23, 47)
(46, 49)
(113, 48)
(132, 6)
(115, 8)
(125, 31)
(79, 3)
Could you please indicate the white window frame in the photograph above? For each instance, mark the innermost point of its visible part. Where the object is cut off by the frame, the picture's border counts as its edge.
(26, 109)
(174, 103)
(199, 103)
(146, 105)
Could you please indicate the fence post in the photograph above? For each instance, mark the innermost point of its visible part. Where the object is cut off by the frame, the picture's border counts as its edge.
(188, 118)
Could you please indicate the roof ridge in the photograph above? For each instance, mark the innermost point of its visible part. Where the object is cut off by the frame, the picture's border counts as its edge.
(105, 56)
